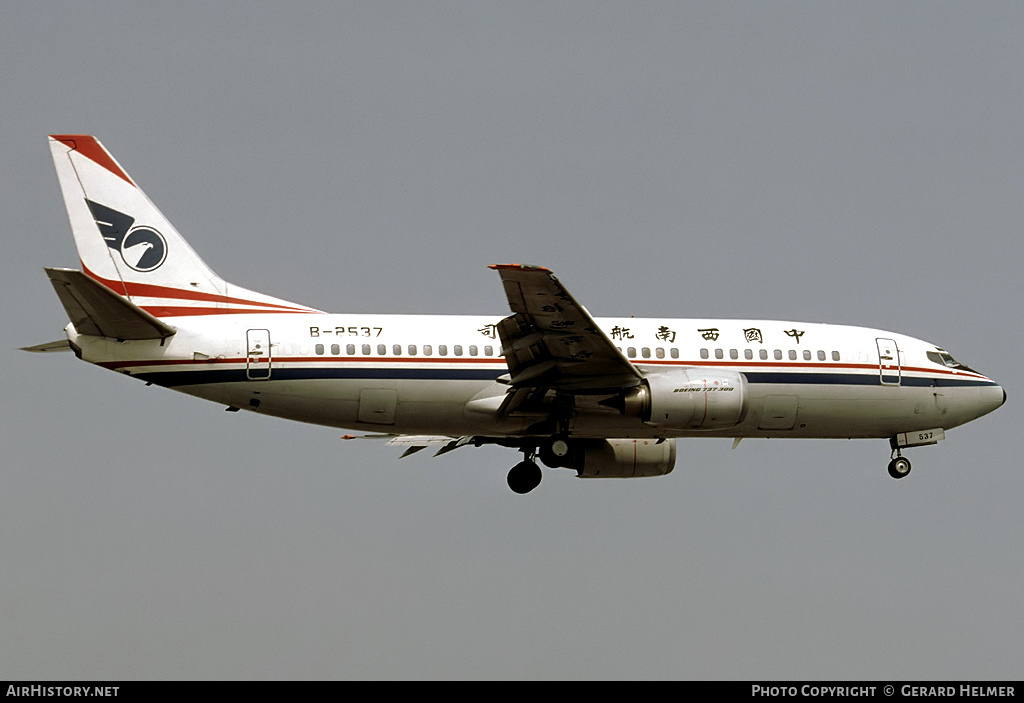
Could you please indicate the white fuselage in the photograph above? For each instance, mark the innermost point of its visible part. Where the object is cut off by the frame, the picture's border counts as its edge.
(441, 374)
(605, 397)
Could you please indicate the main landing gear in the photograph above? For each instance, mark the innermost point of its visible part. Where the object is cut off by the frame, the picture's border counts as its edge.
(524, 476)
(555, 452)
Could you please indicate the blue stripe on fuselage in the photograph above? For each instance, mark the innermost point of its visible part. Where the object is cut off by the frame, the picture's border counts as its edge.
(859, 379)
(208, 376)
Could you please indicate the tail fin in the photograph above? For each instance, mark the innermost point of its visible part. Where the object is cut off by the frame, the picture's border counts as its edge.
(126, 244)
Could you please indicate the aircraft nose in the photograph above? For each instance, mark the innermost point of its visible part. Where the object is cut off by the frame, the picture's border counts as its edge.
(991, 398)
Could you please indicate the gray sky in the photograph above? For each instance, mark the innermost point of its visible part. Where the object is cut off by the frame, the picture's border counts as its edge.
(843, 162)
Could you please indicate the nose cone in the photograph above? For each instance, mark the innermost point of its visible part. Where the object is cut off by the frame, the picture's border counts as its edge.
(990, 398)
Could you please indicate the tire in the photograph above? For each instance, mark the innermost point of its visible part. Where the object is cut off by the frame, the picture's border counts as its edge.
(524, 477)
(899, 467)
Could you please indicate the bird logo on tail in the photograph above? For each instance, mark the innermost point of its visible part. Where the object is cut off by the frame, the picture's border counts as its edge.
(142, 248)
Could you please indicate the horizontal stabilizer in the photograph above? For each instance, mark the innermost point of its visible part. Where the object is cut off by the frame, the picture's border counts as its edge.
(58, 346)
(94, 309)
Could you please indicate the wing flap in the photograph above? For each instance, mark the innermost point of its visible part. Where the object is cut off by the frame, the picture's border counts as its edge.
(415, 443)
(96, 310)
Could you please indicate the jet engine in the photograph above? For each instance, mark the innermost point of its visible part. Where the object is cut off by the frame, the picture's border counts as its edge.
(697, 398)
(624, 458)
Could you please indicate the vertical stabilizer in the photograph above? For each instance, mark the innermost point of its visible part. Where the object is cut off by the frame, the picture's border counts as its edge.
(126, 244)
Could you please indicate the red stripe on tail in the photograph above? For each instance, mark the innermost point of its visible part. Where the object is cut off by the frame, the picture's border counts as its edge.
(87, 146)
(147, 290)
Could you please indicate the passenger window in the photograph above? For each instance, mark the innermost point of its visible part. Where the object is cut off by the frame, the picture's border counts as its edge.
(719, 354)
(674, 353)
(792, 354)
(442, 349)
(660, 353)
(835, 356)
(778, 355)
(821, 355)
(763, 354)
(646, 352)
(488, 350)
(703, 353)
(319, 348)
(748, 353)
(473, 351)
(457, 349)
(366, 350)
(631, 352)
(734, 354)
(412, 350)
(807, 354)
(427, 350)
(396, 349)
(350, 349)
(336, 349)
(381, 350)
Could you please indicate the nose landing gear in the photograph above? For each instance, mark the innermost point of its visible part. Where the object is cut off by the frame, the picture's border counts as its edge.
(899, 467)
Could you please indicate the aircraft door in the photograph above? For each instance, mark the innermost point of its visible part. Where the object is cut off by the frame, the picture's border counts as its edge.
(888, 361)
(257, 361)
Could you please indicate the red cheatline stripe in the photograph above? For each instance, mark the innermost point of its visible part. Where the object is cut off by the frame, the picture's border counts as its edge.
(87, 146)
(148, 290)
(186, 311)
(754, 365)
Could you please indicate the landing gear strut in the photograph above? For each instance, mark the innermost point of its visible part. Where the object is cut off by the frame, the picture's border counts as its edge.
(524, 476)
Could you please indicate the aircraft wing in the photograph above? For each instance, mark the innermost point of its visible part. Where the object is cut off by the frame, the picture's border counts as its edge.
(551, 341)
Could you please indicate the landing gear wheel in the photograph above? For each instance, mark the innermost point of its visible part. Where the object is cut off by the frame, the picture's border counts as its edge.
(899, 467)
(524, 477)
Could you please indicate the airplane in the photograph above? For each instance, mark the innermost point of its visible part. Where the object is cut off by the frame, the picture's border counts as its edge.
(605, 397)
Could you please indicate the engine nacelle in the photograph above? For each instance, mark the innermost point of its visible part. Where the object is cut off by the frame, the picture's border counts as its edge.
(696, 398)
(624, 458)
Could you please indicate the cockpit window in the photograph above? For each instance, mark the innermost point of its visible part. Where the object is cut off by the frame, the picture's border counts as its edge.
(944, 358)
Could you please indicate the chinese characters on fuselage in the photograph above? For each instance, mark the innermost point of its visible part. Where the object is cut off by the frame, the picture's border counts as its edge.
(750, 334)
